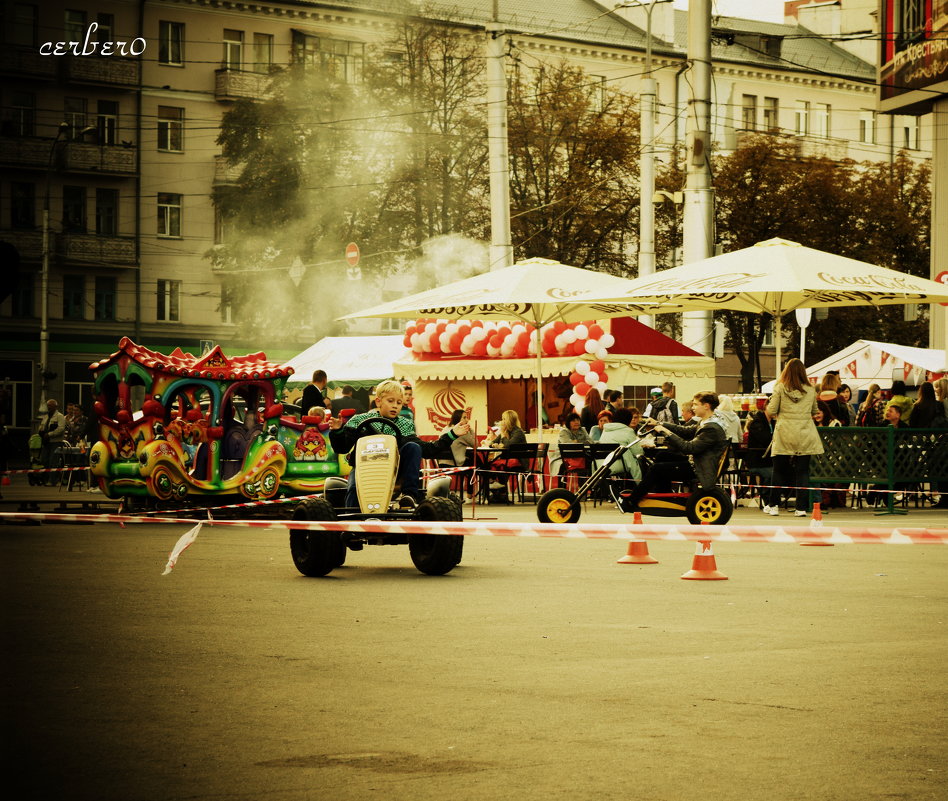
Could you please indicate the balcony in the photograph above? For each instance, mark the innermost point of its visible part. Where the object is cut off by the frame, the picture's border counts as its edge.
(233, 84)
(103, 70)
(28, 243)
(25, 151)
(226, 174)
(27, 62)
(92, 248)
(102, 159)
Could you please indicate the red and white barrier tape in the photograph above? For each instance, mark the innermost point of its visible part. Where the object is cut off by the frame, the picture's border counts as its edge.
(44, 470)
(838, 535)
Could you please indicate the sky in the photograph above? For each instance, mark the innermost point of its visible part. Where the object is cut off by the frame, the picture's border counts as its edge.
(769, 10)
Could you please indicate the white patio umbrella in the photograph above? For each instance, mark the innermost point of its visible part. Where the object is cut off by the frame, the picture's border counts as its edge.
(534, 291)
(775, 277)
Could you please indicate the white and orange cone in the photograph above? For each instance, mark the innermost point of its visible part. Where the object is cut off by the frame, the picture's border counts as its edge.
(816, 522)
(637, 553)
(703, 566)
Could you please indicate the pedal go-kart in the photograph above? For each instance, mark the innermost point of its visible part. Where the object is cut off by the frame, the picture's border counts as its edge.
(699, 505)
(317, 553)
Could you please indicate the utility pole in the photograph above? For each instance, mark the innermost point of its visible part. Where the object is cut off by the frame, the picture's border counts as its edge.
(699, 195)
(647, 161)
(501, 249)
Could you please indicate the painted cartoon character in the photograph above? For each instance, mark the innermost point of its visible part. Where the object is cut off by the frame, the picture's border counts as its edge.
(310, 446)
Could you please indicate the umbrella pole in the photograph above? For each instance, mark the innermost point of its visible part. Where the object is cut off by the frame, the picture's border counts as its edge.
(536, 334)
(778, 340)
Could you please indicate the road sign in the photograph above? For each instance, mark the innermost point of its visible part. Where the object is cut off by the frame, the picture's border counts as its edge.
(352, 254)
(942, 278)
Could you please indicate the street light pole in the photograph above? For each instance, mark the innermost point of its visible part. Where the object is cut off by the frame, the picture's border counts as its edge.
(44, 281)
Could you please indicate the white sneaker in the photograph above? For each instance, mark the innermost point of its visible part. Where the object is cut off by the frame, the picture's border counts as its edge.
(800, 513)
(771, 510)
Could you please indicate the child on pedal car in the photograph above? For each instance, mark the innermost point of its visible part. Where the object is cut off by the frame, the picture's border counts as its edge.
(389, 399)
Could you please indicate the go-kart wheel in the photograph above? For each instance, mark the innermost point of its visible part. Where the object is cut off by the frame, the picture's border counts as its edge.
(436, 554)
(712, 506)
(268, 483)
(316, 553)
(558, 506)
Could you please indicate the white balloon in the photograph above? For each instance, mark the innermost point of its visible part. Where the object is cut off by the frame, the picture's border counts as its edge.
(532, 347)
(480, 333)
(601, 354)
(582, 332)
(467, 346)
(576, 400)
(591, 345)
(569, 336)
(582, 367)
(601, 386)
(607, 340)
(558, 342)
(493, 350)
(507, 348)
(416, 342)
(591, 378)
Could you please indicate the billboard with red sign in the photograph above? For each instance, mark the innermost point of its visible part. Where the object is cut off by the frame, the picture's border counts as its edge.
(914, 60)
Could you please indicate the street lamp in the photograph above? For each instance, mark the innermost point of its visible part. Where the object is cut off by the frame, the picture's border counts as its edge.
(44, 286)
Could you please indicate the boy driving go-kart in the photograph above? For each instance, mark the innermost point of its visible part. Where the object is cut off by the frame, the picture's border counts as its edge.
(385, 419)
(706, 443)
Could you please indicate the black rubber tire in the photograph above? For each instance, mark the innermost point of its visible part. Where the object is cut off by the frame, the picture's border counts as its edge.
(316, 553)
(712, 506)
(436, 554)
(553, 507)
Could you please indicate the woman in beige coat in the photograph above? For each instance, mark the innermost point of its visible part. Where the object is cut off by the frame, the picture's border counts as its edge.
(796, 438)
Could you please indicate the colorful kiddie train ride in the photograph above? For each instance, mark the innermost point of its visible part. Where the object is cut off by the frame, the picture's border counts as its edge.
(178, 428)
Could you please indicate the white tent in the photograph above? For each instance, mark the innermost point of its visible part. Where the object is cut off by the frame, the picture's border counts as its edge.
(349, 360)
(866, 362)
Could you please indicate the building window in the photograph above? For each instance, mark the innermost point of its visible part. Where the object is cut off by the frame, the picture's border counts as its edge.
(910, 22)
(906, 132)
(169, 214)
(20, 115)
(749, 112)
(170, 128)
(107, 121)
(597, 90)
(16, 392)
(23, 298)
(105, 295)
(867, 126)
(262, 52)
(106, 25)
(106, 212)
(221, 227)
(821, 120)
(75, 27)
(22, 205)
(74, 297)
(340, 58)
(74, 209)
(74, 115)
(801, 114)
(233, 49)
(771, 119)
(169, 299)
(171, 43)
(24, 25)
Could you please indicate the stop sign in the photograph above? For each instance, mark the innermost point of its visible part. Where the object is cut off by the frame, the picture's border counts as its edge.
(352, 254)
(942, 278)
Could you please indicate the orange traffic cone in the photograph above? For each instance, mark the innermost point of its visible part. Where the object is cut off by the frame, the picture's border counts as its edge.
(703, 566)
(638, 549)
(816, 522)
(5, 481)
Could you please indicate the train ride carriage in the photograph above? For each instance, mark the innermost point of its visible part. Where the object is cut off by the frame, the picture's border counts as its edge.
(178, 427)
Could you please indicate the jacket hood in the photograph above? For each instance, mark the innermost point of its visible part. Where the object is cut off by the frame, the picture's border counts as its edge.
(794, 395)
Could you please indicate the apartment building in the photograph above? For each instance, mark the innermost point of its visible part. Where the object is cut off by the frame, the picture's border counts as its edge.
(120, 148)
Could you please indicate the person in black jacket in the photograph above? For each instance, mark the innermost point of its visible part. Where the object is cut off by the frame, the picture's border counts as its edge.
(313, 393)
(705, 442)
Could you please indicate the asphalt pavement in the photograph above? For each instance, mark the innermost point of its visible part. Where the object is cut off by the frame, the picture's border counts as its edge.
(537, 669)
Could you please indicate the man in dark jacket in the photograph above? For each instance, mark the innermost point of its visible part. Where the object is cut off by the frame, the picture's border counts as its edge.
(705, 442)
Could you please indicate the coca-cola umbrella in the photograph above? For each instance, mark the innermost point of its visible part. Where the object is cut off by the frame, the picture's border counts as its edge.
(776, 277)
(535, 292)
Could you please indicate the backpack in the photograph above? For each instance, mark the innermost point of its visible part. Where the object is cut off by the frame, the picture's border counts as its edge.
(664, 414)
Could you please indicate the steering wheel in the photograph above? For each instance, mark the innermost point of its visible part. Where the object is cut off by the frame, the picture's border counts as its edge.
(643, 430)
(367, 427)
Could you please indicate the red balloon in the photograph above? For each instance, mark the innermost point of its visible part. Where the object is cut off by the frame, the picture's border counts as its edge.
(477, 323)
(595, 331)
(464, 330)
(480, 348)
(496, 340)
(598, 366)
(577, 348)
(582, 388)
(559, 327)
(407, 341)
(549, 348)
(436, 344)
(455, 343)
(575, 378)
(524, 339)
(521, 351)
